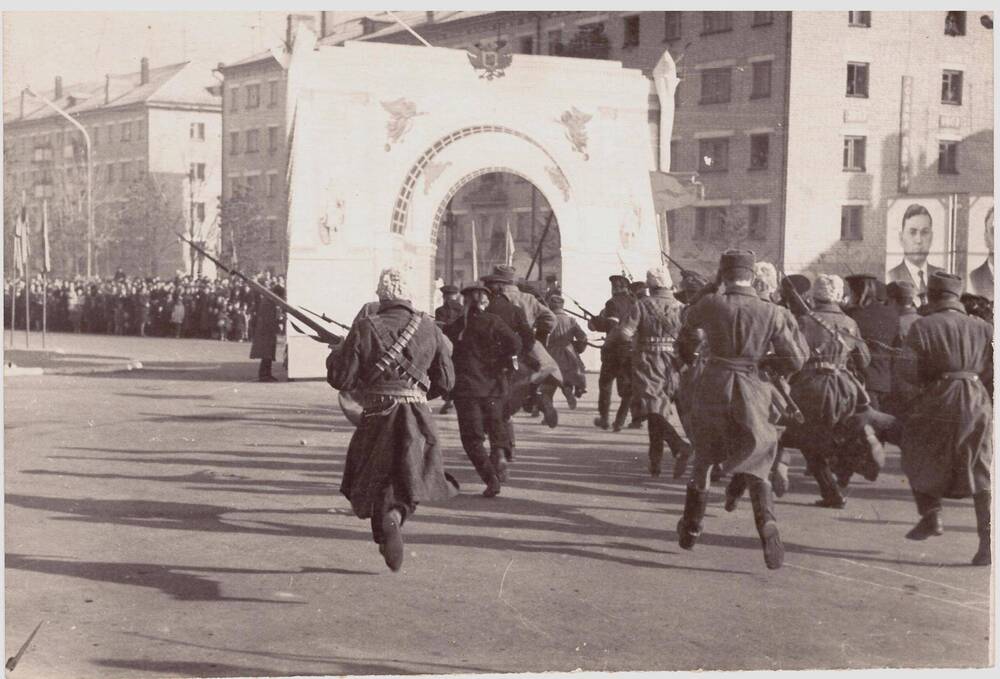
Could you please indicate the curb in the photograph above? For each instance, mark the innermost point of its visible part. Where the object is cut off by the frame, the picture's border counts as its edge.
(11, 370)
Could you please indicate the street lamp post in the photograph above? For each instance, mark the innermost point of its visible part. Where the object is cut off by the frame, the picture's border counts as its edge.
(90, 176)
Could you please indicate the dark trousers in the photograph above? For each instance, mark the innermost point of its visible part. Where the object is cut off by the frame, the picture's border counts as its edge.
(265, 367)
(614, 368)
(479, 419)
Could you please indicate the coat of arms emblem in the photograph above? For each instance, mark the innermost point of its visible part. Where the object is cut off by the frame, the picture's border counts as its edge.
(490, 60)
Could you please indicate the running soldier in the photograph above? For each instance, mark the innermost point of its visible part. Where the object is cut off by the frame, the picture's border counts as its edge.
(396, 359)
(616, 354)
(444, 315)
(565, 344)
(947, 437)
(733, 421)
(485, 351)
(653, 322)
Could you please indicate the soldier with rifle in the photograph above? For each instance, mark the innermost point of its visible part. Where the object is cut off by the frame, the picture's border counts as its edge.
(396, 359)
(444, 315)
(616, 354)
(733, 424)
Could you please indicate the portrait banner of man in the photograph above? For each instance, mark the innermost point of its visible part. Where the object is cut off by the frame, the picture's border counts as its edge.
(916, 237)
(980, 279)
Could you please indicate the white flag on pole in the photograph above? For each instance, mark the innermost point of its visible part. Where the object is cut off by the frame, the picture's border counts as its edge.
(21, 237)
(475, 254)
(46, 260)
(509, 246)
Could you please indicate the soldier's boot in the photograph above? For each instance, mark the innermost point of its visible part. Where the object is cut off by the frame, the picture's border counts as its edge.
(689, 526)
(734, 491)
(830, 495)
(885, 427)
(569, 396)
(983, 555)
(874, 454)
(498, 458)
(488, 473)
(544, 400)
(928, 526)
(621, 415)
(779, 473)
(655, 432)
(603, 408)
(680, 449)
(767, 524)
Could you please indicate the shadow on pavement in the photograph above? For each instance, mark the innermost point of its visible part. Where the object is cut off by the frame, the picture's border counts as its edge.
(176, 581)
(181, 668)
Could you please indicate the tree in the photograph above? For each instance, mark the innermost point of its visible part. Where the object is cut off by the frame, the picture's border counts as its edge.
(242, 228)
(145, 224)
(589, 42)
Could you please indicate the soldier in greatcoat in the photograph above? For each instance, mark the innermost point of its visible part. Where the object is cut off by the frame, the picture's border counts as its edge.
(828, 395)
(947, 436)
(485, 353)
(565, 344)
(395, 360)
(653, 324)
(444, 315)
(733, 423)
(616, 354)
(265, 335)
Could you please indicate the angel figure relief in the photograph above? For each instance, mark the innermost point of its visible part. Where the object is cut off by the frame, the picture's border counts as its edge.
(401, 112)
(575, 121)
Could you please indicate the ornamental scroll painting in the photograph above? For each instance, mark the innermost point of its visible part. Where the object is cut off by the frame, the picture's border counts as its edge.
(559, 179)
(575, 121)
(401, 112)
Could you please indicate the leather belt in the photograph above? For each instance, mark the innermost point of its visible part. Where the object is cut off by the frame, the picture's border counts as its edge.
(655, 344)
(960, 375)
(740, 365)
(824, 367)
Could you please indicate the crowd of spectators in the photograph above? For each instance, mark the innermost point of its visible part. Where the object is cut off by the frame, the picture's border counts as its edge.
(184, 306)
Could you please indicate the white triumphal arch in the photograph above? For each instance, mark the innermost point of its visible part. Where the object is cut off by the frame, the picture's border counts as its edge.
(383, 136)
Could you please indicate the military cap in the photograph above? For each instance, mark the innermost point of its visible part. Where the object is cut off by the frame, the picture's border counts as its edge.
(551, 278)
(475, 287)
(618, 278)
(900, 290)
(737, 259)
(449, 289)
(948, 283)
(505, 273)
(637, 285)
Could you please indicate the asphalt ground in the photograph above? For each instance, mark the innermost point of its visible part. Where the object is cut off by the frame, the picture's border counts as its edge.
(184, 520)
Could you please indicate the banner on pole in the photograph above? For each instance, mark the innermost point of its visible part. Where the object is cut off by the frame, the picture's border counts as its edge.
(46, 261)
(509, 246)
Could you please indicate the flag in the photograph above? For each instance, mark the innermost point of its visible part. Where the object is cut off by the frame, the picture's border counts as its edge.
(475, 254)
(46, 260)
(21, 237)
(509, 246)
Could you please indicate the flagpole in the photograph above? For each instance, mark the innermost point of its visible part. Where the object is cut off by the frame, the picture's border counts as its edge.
(45, 294)
(13, 309)
(46, 265)
(475, 254)
(27, 295)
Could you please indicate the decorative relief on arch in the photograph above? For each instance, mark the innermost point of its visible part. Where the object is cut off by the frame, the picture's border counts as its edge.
(575, 121)
(424, 164)
(401, 114)
(559, 179)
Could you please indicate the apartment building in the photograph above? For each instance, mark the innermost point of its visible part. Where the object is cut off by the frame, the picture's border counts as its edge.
(155, 139)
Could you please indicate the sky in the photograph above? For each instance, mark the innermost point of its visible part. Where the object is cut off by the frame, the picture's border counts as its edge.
(83, 46)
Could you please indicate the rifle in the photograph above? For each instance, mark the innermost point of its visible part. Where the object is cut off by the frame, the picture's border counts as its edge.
(328, 320)
(322, 334)
(586, 313)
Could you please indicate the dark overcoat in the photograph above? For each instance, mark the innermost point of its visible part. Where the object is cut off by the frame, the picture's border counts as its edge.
(947, 442)
(265, 333)
(398, 443)
(653, 324)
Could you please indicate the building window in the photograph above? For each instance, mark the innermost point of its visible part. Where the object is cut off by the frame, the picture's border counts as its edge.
(199, 212)
(234, 143)
(126, 131)
(198, 131)
(253, 185)
(757, 222)
(140, 130)
(272, 98)
(526, 45)
(272, 229)
(111, 133)
(272, 185)
(857, 79)
(851, 227)
(631, 37)
(555, 42)
(859, 19)
(708, 222)
(951, 87)
(716, 85)
(197, 172)
(954, 24)
(762, 19)
(111, 173)
(713, 155)
(671, 25)
(140, 169)
(253, 141)
(948, 157)
(675, 163)
(253, 96)
(123, 171)
(716, 22)
(272, 139)
(234, 99)
(759, 151)
(761, 88)
(854, 154)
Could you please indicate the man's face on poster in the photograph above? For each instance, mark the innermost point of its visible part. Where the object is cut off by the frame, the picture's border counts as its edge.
(916, 237)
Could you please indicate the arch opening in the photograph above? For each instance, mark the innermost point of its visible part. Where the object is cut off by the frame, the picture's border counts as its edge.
(491, 201)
